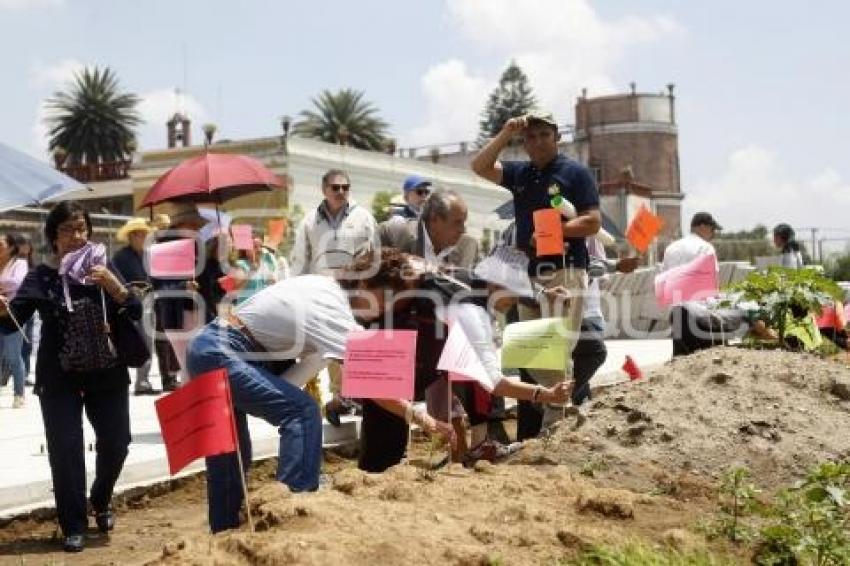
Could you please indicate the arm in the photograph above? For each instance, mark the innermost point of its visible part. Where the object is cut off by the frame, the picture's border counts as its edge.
(558, 393)
(486, 163)
(20, 308)
(405, 410)
(587, 223)
(301, 250)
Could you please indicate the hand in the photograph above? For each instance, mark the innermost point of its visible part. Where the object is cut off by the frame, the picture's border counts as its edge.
(627, 264)
(559, 393)
(533, 241)
(558, 292)
(515, 125)
(434, 427)
(4, 305)
(192, 285)
(101, 276)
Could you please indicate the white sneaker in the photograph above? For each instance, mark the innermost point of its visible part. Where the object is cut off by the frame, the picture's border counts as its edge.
(18, 403)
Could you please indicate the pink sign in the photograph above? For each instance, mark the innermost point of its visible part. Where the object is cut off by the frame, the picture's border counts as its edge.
(242, 238)
(379, 364)
(693, 281)
(174, 259)
(461, 360)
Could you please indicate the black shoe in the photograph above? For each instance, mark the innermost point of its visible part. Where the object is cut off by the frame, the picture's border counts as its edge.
(170, 383)
(144, 387)
(74, 543)
(105, 520)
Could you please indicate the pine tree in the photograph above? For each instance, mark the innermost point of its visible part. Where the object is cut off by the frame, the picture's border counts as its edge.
(513, 97)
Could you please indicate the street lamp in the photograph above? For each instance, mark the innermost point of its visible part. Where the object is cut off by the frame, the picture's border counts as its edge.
(285, 123)
(209, 132)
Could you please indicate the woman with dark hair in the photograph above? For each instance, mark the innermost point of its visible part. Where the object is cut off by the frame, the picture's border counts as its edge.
(12, 273)
(783, 239)
(404, 293)
(25, 252)
(79, 300)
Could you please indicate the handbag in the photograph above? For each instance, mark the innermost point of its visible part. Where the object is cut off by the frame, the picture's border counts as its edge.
(129, 336)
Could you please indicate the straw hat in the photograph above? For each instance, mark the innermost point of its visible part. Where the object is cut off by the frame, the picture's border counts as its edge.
(133, 225)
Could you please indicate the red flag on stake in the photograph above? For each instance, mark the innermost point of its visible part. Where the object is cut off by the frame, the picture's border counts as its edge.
(632, 369)
(197, 420)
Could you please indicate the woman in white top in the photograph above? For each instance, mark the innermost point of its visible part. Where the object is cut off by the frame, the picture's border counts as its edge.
(783, 239)
(12, 272)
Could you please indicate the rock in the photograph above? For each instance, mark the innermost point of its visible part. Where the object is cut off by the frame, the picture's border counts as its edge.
(666, 437)
(717, 360)
(721, 377)
(611, 430)
(840, 388)
(616, 503)
(571, 539)
(484, 467)
(482, 534)
(636, 431)
(636, 415)
(347, 481)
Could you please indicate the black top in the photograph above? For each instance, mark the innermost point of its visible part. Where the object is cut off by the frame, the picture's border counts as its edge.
(531, 189)
(42, 291)
(130, 266)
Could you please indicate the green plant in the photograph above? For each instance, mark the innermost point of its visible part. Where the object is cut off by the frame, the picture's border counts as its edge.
(811, 523)
(641, 554)
(381, 202)
(737, 499)
(93, 121)
(345, 118)
(783, 298)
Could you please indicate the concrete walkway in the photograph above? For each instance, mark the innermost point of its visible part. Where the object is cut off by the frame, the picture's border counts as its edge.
(25, 474)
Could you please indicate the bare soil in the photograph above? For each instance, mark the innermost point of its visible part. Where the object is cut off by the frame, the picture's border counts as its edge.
(644, 465)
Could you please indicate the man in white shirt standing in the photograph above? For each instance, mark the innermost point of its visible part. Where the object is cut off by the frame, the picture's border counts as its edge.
(681, 252)
(335, 232)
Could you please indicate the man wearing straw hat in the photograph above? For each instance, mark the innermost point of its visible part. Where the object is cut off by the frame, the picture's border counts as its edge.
(537, 184)
(129, 263)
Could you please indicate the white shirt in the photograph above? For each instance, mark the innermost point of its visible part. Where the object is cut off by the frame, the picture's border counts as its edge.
(430, 256)
(306, 317)
(685, 250)
(323, 245)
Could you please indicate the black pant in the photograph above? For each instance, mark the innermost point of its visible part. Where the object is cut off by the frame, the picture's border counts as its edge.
(383, 438)
(109, 415)
(588, 356)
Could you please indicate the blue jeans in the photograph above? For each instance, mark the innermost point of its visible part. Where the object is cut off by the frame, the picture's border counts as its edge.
(10, 351)
(259, 392)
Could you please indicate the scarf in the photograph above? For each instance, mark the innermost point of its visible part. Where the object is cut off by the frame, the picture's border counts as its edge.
(77, 264)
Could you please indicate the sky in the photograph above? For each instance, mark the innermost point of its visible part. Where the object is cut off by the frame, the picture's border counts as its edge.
(762, 87)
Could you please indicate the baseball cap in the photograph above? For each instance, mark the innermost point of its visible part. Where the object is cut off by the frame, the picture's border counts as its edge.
(705, 219)
(414, 182)
(542, 116)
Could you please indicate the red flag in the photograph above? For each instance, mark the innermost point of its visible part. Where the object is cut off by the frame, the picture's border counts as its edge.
(197, 420)
(632, 369)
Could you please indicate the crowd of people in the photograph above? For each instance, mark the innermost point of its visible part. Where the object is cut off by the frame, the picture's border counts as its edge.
(276, 328)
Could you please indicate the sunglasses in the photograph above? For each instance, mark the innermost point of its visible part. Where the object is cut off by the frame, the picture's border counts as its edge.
(423, 192)
(340, 188)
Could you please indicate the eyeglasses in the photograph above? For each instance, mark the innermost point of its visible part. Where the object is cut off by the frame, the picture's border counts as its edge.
(71, 230)
(423, 192)
(340, 188)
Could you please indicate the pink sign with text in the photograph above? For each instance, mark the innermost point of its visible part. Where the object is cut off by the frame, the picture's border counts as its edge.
(696, 280)
(174, 259)
(242, 236)
(379, 364)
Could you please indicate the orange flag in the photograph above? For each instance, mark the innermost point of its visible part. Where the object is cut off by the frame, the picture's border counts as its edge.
(197, 420)
(276, 228)
(644, 227)
(548, 233)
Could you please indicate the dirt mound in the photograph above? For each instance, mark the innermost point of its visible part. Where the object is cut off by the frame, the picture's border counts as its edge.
(775, 412)
(489, 515)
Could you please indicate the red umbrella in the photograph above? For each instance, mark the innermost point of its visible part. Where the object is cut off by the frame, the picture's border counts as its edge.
(212, 177)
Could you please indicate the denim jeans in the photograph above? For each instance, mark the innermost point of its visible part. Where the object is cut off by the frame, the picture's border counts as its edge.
(259, 392)
(10, 351)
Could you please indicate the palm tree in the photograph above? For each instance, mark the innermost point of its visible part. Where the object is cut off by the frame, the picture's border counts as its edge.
(92, 121)
(344, 118)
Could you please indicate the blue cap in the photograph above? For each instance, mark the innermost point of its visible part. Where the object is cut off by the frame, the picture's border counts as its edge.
(414, 182)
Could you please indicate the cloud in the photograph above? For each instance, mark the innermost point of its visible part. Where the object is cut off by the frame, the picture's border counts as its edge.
(756, 187)
(563, 45)
(158, 106)
(42, 75)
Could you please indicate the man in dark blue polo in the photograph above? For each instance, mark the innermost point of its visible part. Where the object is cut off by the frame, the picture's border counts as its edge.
(534, 183)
